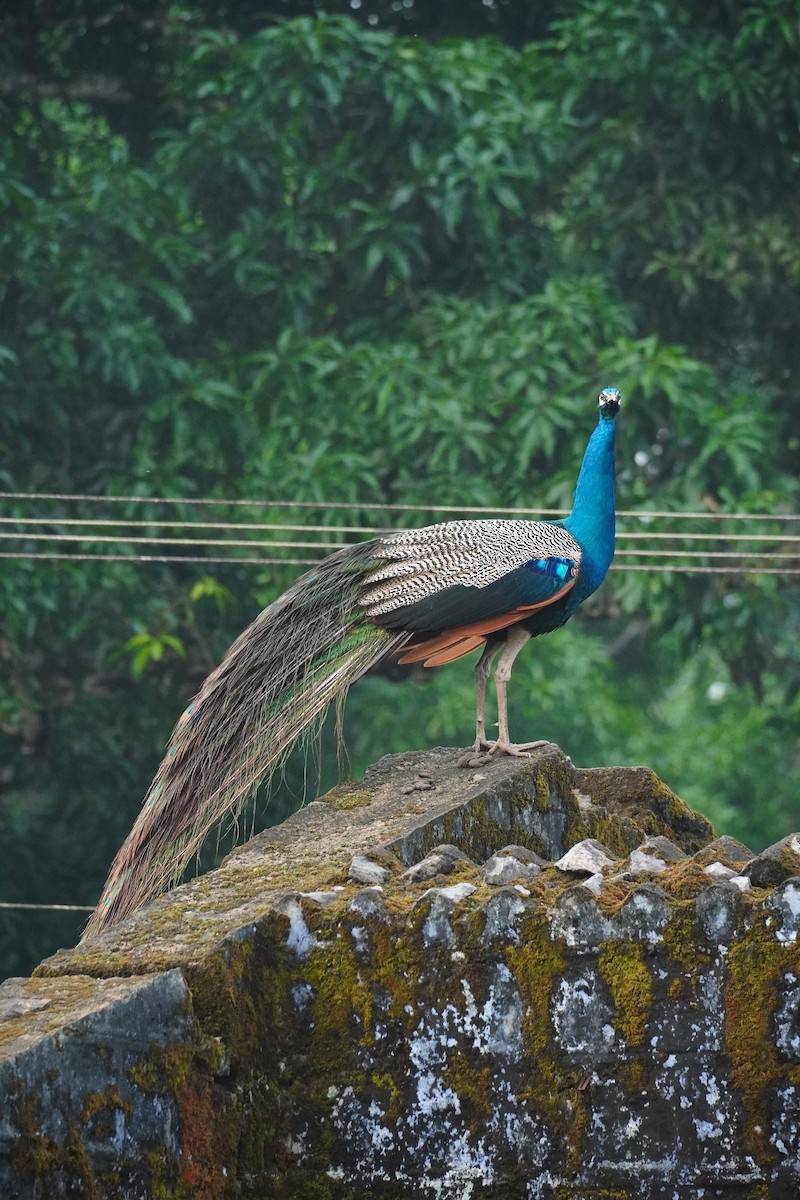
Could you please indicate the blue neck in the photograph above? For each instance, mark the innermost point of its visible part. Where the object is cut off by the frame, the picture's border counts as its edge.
(591, 521)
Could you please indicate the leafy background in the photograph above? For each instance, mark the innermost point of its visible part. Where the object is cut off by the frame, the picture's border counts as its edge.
(388, 255)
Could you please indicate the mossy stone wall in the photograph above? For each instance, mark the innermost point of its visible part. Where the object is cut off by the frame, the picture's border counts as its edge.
(511, 979)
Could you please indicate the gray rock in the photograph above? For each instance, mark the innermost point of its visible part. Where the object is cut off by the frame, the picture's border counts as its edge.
(524, 855)
(533, 1045)
(718, 908)
(300, 940)
(776, 863)
(369, 904)
(727, 850)
(588, 856)
(719, 871)
(583, 1016)
(440, 861)
(500, 870)
(19, 1005)
(641, 863)
(440, 903)
(661, 847)
(502, 914)
(643, 915)
(364, 870)
(324, 899)
(455, 892)
(785, 900)
(578, 920)
(787, 1019)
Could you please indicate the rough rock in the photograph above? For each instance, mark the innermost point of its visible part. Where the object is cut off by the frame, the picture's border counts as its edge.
(292, 1028)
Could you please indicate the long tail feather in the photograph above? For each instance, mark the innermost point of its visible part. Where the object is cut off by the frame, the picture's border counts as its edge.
(278, 677)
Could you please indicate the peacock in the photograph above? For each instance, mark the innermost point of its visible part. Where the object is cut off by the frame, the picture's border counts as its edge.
(427, 595)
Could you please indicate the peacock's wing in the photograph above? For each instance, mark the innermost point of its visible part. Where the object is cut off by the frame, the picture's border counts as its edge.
(461, 574)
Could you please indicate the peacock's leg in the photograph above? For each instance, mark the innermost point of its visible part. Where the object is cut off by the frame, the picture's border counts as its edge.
(515, 639)
(483, 668)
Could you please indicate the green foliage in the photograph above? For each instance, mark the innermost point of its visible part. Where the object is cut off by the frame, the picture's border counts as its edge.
(146, 648)
(335, 265)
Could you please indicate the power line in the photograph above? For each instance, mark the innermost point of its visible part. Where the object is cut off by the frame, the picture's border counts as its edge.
(664, 568)
(366, 506)
(232, 525)
(276, 544)
(754, 553)
(238, 526)
(158, 558)
(86, 908)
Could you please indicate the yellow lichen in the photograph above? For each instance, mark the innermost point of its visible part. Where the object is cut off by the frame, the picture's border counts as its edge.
(631, 986)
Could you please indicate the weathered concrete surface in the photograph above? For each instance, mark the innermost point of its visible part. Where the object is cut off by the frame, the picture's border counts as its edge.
(514, 979)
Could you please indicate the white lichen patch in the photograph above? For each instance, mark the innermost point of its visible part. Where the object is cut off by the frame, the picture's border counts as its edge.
(582, 1014)
(435, 1142)
(301, 941)
(787, 1018)
(786, 899)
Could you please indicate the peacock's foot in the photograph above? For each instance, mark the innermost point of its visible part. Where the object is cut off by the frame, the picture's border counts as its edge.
(513, 749)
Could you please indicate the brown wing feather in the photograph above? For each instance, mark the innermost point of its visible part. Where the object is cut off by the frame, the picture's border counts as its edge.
(455, 650)
(431, 649)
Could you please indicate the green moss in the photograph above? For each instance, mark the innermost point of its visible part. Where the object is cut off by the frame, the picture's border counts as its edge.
(755, 966)
(33, 1154)
(99, 1109)
(537, 964)
(636, 795)
(344, 800)
(161, 1172)
(36, 1156)
(687, 950)
(224, 988)
(162, 1068)
(631, 986)
(394, 1097)
(471, 1080)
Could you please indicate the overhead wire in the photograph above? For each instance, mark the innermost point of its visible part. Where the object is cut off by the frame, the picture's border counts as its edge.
(374, 530)
(760, 551)
(361, 506)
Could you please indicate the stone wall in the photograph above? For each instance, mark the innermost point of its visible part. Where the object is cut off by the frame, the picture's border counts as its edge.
(455, 978)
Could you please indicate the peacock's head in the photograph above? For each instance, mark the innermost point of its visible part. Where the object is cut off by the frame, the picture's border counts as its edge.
(609, 401)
